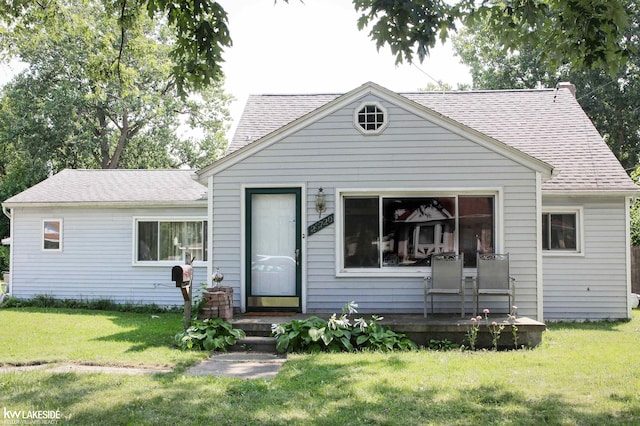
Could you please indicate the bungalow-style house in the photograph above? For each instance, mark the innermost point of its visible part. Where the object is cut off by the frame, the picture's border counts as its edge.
(326, 199)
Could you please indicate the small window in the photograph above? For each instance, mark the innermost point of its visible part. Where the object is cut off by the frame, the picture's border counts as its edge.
(560, 232)
(370, 118)
(175, 241)
(52, 235)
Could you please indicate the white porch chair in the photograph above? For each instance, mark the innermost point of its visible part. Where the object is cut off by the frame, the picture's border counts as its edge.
(493, 278)
(446, 279)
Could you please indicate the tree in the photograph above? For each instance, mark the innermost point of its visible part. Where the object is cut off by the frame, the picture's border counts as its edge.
(99, 94)
(610, 100)
(18, 171)
(96, 93)
(587, 34)
(200, 31)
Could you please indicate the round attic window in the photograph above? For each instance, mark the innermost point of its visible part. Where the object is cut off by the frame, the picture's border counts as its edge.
(370, 118)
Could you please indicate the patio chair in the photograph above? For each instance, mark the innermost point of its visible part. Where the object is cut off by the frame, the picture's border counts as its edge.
(446, 279)
(493, 278)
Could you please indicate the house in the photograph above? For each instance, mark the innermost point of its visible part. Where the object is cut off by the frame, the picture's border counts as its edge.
(404, 175)
(330, 198)
(108, 234)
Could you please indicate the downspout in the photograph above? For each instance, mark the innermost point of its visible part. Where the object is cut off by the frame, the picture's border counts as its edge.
(210, 226)
(539, 258)
(628, 202)
(6, 212)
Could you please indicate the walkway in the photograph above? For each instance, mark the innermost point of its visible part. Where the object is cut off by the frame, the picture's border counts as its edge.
(242, 365)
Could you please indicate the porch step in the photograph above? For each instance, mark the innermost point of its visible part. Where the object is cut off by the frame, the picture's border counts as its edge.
(255, 344)
(253, 327)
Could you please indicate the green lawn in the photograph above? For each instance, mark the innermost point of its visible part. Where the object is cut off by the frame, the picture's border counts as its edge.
(581, 375)
(36, 335)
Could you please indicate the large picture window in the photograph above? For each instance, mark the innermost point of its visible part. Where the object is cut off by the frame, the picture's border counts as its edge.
(177, 241)
(383, 231)
(560, 231)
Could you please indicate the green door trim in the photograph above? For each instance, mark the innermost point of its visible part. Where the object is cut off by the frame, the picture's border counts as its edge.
(256, 303)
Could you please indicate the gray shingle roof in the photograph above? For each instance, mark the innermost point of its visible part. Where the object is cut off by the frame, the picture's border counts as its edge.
(114, 186)
(546, 124)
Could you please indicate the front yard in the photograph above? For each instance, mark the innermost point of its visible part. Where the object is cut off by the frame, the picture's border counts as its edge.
(582, 374)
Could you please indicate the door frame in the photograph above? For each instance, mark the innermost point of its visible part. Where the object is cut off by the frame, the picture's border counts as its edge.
(245, 261)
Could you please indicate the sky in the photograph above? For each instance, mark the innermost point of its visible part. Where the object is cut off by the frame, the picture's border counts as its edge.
(316, 47)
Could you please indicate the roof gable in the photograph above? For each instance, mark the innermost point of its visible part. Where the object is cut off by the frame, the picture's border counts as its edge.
(268, 119)
(113, 187)
(548, 125)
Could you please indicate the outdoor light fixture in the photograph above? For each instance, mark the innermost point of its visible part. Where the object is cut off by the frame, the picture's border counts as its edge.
(321, 202)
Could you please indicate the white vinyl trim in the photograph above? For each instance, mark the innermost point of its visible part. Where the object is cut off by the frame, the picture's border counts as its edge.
(627, 208)
(383, 125)
(387, 271)
(161, 263)
(539, 266)
(579, 212)
(60, 236)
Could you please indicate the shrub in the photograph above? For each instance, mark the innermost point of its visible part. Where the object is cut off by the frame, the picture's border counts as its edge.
(47, 301)
(209, 335)
(442, 345)
(337, 334)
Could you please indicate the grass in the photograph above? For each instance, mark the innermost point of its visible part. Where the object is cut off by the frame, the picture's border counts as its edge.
(582, 374)
(37, 335)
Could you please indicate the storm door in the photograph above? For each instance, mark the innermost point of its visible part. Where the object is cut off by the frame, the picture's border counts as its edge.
(273, 232)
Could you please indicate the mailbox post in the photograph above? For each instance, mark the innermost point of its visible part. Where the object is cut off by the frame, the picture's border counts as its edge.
(183, 277)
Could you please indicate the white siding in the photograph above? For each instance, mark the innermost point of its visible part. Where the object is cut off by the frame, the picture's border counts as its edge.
(592, 286)
(96, 259)
(410, 154)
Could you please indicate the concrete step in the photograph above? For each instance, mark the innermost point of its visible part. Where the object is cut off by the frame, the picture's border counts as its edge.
(253, 328)
(255, 344)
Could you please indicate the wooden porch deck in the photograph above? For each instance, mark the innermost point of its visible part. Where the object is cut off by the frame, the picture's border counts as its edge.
(419, 329)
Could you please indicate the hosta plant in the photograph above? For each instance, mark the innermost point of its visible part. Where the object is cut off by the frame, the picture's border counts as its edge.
(336, 334)
(212, 334)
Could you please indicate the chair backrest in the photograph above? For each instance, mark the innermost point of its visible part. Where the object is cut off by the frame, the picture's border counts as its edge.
(493, 271)
(446, 270)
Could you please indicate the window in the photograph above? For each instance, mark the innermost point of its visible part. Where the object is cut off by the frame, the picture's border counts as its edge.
(52, 235)
(370, 118)
(384, 231)
(176, 241)
(560, 231)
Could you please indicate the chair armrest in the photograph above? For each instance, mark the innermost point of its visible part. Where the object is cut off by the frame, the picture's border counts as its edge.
(474, 281)
(427, 279)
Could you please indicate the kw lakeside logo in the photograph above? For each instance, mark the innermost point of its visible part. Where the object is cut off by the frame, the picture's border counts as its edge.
(31, 416)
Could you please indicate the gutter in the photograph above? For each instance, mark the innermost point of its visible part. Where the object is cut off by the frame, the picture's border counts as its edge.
(5, 210)
(110, 204)
(578, 192)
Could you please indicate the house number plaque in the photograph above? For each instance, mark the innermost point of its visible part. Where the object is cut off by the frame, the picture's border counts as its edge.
(320, 225)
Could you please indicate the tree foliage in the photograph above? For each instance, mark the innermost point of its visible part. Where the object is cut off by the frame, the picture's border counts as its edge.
(99, 94)
(200, 31)
(610, 100)
(95, 94)
(587, 34)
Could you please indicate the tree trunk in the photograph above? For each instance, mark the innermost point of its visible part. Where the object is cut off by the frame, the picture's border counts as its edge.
(122, 142)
